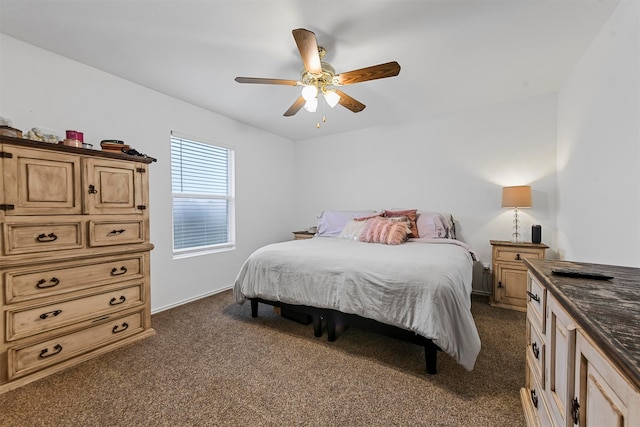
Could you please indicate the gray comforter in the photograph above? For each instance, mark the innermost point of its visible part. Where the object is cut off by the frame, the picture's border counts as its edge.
(422, 286)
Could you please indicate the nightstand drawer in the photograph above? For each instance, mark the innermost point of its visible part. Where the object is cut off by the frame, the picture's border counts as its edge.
(516, 254)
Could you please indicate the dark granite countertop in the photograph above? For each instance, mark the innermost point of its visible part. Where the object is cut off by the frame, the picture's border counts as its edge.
(607, 310)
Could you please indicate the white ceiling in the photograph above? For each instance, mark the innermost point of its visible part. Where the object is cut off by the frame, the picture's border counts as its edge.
(454, 54)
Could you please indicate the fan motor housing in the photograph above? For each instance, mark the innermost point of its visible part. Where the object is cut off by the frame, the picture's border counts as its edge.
(326, 78)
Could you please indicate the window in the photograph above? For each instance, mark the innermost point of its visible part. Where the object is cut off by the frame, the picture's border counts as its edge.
(203, 197)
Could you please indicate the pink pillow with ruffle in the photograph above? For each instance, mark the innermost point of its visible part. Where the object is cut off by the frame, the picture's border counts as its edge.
(410, 214)
(389, 231)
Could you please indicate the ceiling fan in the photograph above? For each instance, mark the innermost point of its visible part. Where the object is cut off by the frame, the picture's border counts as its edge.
(319, 77)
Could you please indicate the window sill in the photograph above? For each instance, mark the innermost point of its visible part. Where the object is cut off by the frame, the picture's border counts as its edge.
(194, 253)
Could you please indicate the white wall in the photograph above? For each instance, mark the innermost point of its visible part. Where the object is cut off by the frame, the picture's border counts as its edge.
(456, 163)
(599, 147)
(41, 89)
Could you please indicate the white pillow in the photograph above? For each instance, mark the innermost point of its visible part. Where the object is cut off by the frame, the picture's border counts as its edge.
(353, 229)
(331, 223)
(435, 225)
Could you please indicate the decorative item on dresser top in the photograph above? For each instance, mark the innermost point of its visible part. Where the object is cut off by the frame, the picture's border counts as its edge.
(510, 274)
(74, 258)
(583, 351)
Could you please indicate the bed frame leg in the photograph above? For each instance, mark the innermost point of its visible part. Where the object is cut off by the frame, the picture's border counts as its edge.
(331, 326)
(254, 308)
(431, 357)
(317, 325)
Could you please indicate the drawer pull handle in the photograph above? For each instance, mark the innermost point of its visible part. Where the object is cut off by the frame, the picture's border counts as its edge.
(534, 297)
(518, 258)
(575, 411)
(534, 398)
(46, 237)
(114, 271)
(41, 283)
(535, 349)
(92, 189)
(116, 232)
(117, 301)
(116, 329)
(56, 349)
(54, 313)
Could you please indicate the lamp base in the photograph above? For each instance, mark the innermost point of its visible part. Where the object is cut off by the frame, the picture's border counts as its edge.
(516, 237)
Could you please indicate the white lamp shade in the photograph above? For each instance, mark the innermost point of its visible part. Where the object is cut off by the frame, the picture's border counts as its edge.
(311, 105)
(332, 98)
(309, 92)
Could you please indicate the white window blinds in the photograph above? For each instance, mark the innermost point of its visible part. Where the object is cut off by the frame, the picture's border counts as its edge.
(203, 203)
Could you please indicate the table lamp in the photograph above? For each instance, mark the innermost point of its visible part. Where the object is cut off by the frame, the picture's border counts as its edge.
(515, 197)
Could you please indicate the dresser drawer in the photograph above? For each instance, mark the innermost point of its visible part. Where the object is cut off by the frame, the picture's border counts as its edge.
(107, 233)
(535, 352)
(25, 322)
(535, 407)
(509, 254)
(33, 357)
(24, 238)
(536, 303)
(52, 279)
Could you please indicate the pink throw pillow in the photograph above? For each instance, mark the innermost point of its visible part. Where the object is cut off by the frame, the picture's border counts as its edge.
(411, 215)
(390, 231)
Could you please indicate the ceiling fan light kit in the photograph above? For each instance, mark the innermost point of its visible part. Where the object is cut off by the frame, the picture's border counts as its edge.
(331, 97)
(311, 105)
(318, 77)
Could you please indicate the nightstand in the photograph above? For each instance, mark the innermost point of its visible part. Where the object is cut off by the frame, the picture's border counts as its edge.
(510, 273)
(301, 235)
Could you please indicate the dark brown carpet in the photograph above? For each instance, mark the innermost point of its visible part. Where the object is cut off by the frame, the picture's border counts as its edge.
(211, 364)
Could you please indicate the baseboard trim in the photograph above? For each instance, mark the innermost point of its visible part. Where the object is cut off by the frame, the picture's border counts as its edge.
(187, 301)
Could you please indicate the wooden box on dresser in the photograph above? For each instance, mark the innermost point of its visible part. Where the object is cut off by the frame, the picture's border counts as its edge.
(583, 350)
(74, 256)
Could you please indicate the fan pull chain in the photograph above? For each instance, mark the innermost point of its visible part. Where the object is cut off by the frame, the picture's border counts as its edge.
(324, 118)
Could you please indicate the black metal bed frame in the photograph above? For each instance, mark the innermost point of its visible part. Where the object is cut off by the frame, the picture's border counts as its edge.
(334, 319)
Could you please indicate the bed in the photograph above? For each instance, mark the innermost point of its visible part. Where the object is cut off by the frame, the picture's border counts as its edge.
(421, 286)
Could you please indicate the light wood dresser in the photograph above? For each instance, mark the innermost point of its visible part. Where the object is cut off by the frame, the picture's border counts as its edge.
(510, 274)
(74, 256)
(583, 350)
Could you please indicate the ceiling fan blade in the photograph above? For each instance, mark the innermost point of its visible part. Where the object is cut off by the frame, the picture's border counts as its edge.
(266, 81)
(374, 72)
(308, 47)
(349, 102)
(295, 107)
